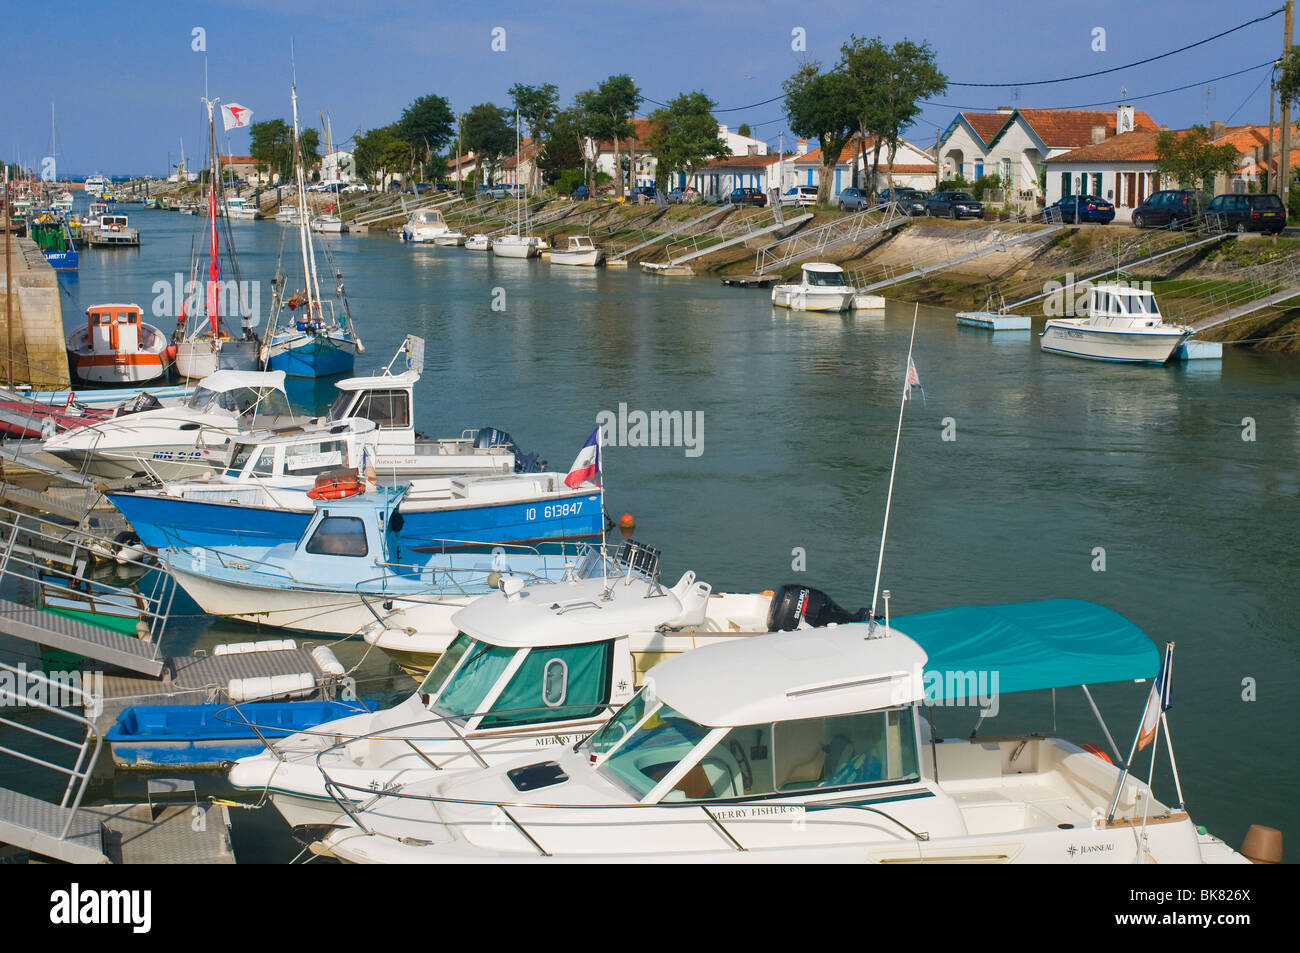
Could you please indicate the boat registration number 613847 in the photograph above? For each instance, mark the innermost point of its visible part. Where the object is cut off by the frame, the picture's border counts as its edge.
(555, 510)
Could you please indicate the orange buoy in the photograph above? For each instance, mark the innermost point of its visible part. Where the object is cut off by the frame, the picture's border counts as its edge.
(336, 489)
(627, 521)
(1094, 749)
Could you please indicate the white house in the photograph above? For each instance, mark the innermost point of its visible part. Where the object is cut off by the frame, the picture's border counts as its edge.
(913, 167)
(646, 165)
(1016, 144)
(758, 170)
(338, 167)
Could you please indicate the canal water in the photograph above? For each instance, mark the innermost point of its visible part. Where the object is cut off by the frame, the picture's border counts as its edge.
(1168, 494)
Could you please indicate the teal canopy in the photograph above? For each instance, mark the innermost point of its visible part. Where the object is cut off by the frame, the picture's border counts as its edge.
(1029, 645)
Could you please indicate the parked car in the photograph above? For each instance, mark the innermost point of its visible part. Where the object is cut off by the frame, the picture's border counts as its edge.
(1080, 208)
(746, 196)
(418, 188)
(394, 186)
(355, 187)
(1173, 208)
(1249, 213)
(909, 201)
(954, 205)
(800, 196)
(852, 199)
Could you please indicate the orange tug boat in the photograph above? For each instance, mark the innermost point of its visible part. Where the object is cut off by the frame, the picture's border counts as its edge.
(116, 346)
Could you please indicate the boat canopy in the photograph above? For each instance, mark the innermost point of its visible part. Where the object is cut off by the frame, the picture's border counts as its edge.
(1031, 645)
(233, 380)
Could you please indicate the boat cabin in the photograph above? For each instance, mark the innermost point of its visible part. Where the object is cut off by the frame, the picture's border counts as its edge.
(241, 394)
(1119, 304)
(299, 454)
(114, 328)
(822, 275)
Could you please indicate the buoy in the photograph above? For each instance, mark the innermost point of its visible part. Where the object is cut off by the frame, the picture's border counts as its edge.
(627, 521)
(1096, 749)
(1263, 845)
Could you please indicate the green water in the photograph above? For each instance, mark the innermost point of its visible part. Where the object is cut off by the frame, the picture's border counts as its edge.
(1051, 460)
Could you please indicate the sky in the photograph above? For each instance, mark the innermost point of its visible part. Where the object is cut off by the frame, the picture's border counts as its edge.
(126, 81)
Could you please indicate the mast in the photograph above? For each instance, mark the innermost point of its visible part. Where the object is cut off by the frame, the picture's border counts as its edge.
(304, 232)
(214, 267)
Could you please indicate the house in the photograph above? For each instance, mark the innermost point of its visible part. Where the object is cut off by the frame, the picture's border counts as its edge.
(520, 171)
(717, 179)
(913, 166)
(338, 167)
(1024, 141)
(646, 171)
(244, 167)
(1123, 167)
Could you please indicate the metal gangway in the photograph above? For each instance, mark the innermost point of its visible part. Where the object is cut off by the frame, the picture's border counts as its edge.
(1254, 290)
(733, 231)
(677, 230)
(400, 210)
(49, 559)
(59, 830)
(809, 244)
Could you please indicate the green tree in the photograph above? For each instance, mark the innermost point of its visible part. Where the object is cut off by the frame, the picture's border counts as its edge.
(427, 124)
(537, 106)
(607, 115)
(272, 145)
(744, 130)
(563, 151)
(684, 135)
(1192, 159)
(821, 106)
(488, 136)
(374, 149)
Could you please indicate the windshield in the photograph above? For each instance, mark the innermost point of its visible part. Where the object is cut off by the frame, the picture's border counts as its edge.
(555, 684)
(446, 664)
(339, 408)
(465, 690)
(618, 727)
(824, 279)
(653, 750)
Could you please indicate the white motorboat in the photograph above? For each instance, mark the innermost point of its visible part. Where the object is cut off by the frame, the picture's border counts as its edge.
(530, 671)
(114, 231)
(116, 346)
(821, 287)
(95, 185)
(429, 226)
(579, 251)
(172, 443)
(287, 215)
(94, 213)
(329, 224)
(821, 753)
(514, 246)
(1121, 324)
(478, 243)
(241, 209)
(64, 199)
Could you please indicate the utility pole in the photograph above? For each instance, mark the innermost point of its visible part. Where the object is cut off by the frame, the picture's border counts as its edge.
(1284, 166)
(1268, 143)
(9, 279)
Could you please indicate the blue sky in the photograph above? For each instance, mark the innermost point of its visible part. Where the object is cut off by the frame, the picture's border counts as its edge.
(126, 84)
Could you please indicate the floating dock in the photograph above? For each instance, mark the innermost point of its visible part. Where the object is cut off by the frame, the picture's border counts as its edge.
(994, 321)
(1192, 350)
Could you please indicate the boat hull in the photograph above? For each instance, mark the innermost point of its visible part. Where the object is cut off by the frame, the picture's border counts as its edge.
(589, 258)
(798, 298)
(516, 248)
(198, 357)
(313, 355)
(1125, 347)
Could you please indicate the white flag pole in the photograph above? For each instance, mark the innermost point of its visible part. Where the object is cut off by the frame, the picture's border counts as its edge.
(902, 404)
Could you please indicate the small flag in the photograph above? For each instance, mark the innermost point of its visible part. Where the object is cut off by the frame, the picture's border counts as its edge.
(233, 116)
(1160, 700)
(913, 380)
(586, 467)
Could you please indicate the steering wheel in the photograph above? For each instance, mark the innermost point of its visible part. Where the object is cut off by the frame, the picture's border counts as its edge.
(746, 772)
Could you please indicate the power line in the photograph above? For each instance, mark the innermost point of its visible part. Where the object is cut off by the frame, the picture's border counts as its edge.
(1247, 99)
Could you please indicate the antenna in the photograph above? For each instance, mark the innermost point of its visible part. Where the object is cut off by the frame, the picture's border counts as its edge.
(902, 405)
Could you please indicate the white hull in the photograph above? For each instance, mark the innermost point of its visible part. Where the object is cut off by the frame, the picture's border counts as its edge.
(477, 243)
(449, 240)
(799, 298)
(589, 258)
(512, 246)
(195, 361)
(1076, 339)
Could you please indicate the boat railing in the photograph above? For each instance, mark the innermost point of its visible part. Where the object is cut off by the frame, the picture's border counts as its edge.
(27, 690)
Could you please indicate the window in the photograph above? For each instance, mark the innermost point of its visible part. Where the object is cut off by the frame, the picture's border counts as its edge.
(243, 451)
(654, 749)
(824, 279)
(339, 536)
(265, 464)
(311, 458)
(624, 720)
(1096, 183)
(1065, 184)
(564, 682)
(390, 409)
(339, 408)
(844, 750)
(464, 691)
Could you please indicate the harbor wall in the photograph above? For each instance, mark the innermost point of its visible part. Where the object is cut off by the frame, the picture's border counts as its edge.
(39, 356)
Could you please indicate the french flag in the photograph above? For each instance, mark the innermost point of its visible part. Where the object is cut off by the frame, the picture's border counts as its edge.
(586, 467)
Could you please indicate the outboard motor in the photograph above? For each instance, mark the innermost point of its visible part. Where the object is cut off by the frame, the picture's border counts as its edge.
(794, 603)
(489, 437)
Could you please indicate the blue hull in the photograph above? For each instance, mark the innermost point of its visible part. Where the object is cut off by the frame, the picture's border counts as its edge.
(200, 736)
(313, 355)
(63, 260)
(161, 522)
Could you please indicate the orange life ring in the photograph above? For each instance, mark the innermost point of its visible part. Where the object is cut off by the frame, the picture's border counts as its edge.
(1091, 748)
(336, 489)
(115, 228)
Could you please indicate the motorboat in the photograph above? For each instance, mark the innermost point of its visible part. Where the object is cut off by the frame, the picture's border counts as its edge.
(578, 251)
(365, 551)
(478, 242)
(528, 671)
(514, 246)
(95, 185)
(823, 752)
(328, 223)
(169, 443)
(241, 209)
(94, 213)
(116, 346)
(1121, 324)
(428, 226)
(287, 215)
(821, 287)
(115, 231)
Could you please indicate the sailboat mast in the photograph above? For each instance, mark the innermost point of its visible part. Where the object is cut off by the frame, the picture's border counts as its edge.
(308, 252)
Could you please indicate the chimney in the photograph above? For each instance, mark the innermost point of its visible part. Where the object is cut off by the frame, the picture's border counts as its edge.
(801, 147)
(752, 149)
(1005, 110)
(1217, 129)
(722, 130)
(1124, 119)
(1098, 134)
(1164, 128)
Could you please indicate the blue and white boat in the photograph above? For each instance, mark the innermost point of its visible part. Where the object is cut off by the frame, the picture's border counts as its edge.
(205, 736)
(363, 553)
(1121, 324)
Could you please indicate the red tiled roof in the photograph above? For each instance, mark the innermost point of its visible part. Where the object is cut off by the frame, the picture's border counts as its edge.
(236, 160)
(1140, 145)
(1066, 128)
(986, 125)
(744, 162)
(527, 151)
(642, 127)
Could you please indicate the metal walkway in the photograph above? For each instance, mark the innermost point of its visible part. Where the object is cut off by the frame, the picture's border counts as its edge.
(1250, 307)
(809, 244)
(623, 255)
(696, 247)
(969, 247)
(71, 635)
(50, 830)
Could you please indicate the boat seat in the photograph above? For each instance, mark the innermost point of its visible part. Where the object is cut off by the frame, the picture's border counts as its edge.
(694, 599)
(800, 752)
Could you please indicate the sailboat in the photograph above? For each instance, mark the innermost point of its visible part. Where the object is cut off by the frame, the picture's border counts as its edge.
(207, 347)
(309, 342)
(517, 245)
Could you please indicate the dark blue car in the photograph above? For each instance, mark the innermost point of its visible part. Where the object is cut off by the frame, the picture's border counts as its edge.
(1081, 208)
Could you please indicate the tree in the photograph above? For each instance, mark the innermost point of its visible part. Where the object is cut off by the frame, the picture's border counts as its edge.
(887, 84)
(1192, 159)
(564, 146)
(272, 145)
(607, 115)
(684, 135)
(537, 106)
(488, 135)
(374, 150)
(427, 125)
(821, 106)
(744, 130)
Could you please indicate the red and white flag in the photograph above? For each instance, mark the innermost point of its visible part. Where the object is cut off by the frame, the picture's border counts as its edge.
(1160, 700)
(913, 380)
(586, 467)
(233, 115)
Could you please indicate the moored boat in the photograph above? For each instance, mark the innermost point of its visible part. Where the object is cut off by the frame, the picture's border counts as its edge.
(821, 287)
(1121, 324)
(578, 251)
(116, 346)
